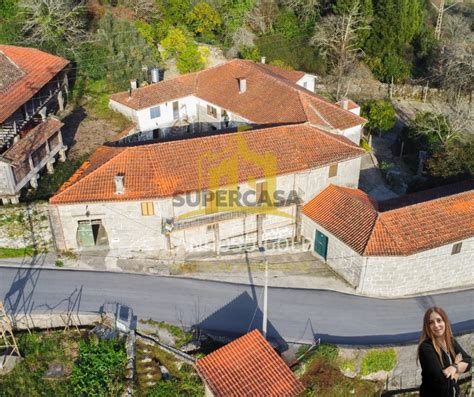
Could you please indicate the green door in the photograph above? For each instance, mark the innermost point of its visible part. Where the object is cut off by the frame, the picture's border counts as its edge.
(321, 244)
(85, 235)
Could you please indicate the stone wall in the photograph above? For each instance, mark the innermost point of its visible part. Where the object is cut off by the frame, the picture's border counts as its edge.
(25, 226)
(430, 270)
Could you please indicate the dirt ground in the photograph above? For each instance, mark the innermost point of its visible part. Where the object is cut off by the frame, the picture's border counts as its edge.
(83, 132)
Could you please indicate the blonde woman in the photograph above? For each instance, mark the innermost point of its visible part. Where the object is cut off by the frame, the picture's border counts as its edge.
(442, 359)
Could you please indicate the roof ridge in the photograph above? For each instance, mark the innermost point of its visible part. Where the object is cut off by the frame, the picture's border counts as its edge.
(60, 192)
(318, 113)
(372, 207)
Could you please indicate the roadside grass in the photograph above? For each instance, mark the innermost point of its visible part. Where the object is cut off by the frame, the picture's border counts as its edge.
(88, 366)
(6, 252)
(378, 360)
(181, 336)
(320, 372)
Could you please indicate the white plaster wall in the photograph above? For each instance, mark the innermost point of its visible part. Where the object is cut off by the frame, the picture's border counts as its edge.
(340, 257)
(192, 107)
(353, 133)
(310, 81)
(347, 173)
(125, 110)
(422, 272)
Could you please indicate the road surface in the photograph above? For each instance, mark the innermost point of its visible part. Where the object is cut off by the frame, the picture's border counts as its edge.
(294, 314)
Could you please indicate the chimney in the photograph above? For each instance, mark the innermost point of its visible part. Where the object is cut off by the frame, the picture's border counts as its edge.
(119, 185)
(262, 60)
(133, 84)
(242, 85)
(344, 103)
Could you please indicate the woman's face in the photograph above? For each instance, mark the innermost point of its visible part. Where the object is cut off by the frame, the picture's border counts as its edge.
(437, 324)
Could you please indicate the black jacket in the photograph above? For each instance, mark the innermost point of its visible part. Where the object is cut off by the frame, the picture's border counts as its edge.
(433, 381)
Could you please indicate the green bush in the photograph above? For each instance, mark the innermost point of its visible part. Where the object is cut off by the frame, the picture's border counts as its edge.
(59, 263)
(16, 252)
(99, 368)
(381, 115)
(378, 360)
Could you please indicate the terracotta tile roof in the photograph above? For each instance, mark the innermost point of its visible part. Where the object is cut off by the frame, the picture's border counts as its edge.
(37, 68)
(355, 219)
(248, 367)
(168, 168)
(269, 98)
(291, 75)
(350, 104)
(32, 141)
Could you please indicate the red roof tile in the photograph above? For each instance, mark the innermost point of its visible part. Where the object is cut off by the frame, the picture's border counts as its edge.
(37, 67)
(169, 168)
(355, 219)
(291, 75)
(248, 367)
(268, 99)
(32, 141)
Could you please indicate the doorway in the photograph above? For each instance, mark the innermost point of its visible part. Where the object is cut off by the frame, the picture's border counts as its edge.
(92, 234)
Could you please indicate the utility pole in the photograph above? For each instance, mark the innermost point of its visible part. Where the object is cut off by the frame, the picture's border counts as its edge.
(441, 9)
(265, 293)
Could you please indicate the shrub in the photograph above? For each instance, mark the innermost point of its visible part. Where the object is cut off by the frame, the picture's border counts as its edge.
(99, 368)
(59, 263)
(378, 360)
(381, 115)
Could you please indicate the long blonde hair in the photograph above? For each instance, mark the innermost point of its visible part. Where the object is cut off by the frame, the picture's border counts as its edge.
(427, 334)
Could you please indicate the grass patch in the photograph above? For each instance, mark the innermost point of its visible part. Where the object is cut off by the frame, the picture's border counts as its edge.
(189, 385)
(181, 337)
(69, 254)
(365, 145)
(16, 252)
(378, 360)
(59, 263)
(49, 184)
(348, 365)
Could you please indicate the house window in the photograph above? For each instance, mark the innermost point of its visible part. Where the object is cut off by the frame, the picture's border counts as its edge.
(332, 170)
(262, 192)
(148, 208)
(212, 111)
(456, 248)
(175, 110)
(155, 112)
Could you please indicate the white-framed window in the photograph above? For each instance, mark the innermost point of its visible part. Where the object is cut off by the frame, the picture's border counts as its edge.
(155, 112)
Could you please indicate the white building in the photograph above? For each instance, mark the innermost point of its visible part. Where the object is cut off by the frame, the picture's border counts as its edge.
(235, 93)
(417, 243)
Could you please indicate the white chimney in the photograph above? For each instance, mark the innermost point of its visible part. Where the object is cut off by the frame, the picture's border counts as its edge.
(242, 85)
(344, 102)
(133, 84)
(119, 185)
(262, 60)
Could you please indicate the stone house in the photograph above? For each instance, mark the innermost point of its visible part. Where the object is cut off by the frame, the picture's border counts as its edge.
(248, 366)
(33, 85)
(165, 196)
(234, 93)
(415, 243)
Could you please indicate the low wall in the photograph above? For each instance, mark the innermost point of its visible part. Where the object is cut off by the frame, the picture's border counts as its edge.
(25, 226)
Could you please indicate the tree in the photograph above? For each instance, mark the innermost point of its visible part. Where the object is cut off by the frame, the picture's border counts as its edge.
(396, 23)
(262, 16)
(192, 59)
(10, 22)
(306, 10)
(204, 19)
(53, 24)
(440, 130)
(174, 43)
(381, 115)
(366, 9)
(337, 37)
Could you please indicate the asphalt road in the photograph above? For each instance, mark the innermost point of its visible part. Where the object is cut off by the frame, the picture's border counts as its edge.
(297, 315)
